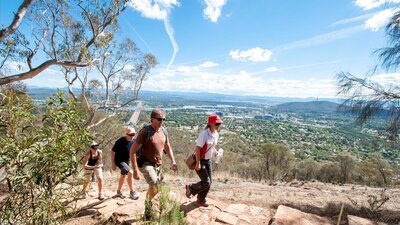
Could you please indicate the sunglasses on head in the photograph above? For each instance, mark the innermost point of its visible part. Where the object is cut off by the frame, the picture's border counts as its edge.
(159, 119)
(217, 124)
(94, 146)
(131, 135)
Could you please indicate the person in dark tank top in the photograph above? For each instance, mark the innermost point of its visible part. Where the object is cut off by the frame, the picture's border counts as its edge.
(92, 163)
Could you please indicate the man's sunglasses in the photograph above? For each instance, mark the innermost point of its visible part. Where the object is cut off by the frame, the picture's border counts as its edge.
(218, 124)
(131, 135)
(159, 119)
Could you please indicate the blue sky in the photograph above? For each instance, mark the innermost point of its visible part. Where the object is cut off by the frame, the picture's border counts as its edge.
(252, 47)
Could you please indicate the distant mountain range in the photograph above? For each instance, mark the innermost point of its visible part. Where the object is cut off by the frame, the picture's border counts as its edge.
(310, 107)
(198, 96)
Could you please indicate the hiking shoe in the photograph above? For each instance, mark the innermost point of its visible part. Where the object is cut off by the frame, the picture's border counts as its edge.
(134, 195)
(187, 191)
(100, 196)
(119, 194)
(201, 203)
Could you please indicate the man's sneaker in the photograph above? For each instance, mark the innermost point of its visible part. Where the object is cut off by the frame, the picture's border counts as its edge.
(134, 195)
(119, 194)
(187, 191)
(101, 196)
(201, 203)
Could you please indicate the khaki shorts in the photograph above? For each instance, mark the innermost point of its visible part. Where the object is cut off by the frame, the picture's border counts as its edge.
(98, 172)
(152, 173)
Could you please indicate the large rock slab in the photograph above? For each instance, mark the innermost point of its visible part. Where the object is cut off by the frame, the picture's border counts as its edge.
(355, 220)
(289, 216)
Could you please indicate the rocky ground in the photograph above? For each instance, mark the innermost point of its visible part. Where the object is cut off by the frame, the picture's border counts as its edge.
(234, 201)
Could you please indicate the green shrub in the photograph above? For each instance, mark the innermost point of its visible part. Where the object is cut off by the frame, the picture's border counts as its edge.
(37, 156)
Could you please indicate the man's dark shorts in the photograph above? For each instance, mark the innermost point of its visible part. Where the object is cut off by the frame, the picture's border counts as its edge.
(124, 167)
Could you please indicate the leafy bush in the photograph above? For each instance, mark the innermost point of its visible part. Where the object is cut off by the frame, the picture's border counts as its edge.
(37, 156)
(163, 209)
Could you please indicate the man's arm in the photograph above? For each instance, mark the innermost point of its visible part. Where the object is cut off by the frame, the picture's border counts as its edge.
(112, 156)
(170, 155)
(132, 153)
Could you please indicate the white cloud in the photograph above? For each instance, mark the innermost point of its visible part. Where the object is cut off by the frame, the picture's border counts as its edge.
(208, 64)
(157, 9)
(187, 69)
(241, 83)
(370, 4)
(213, 9)
(271, 69)
(354, 19)
(49, 78)
(379, 20)
(16, 67)
(321, 39)
(386, 79)
(254, 55)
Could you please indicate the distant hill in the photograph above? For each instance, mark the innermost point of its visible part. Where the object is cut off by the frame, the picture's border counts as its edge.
(40, 92)
(304, 107)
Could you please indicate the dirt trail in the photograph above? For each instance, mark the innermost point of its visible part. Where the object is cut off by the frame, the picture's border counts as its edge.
(238, 201)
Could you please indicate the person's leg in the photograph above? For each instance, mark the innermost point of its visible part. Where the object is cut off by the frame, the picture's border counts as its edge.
(130, 180)
(121, 182)
(151, 192)
(202, 194)
(203, 185)
(87, 176)
(123, 166)
(153, 176)
(99, 174)
(85, 185)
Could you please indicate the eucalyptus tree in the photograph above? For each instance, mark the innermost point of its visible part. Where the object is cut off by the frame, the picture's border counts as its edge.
(346, 162)
(114, 79)
(122, 66)
(367, 97)
(55, 32)
(275, 159)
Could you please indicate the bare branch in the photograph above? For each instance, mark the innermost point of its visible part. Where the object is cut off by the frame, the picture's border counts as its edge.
(35, 71)
(101, 121)
(4, 33)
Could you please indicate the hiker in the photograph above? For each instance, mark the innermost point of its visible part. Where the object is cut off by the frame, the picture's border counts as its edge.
(153, 140)
(205, 148)
(120, 159)
(92, 163)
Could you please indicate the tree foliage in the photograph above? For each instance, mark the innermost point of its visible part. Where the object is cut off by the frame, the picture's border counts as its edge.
(367, 97)
(63, 33)
(275, 160)
(37, 156)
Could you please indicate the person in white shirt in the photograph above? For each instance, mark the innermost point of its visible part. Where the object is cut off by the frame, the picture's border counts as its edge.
(205, 148)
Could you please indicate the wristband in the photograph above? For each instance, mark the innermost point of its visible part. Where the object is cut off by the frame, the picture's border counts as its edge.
(173, 162)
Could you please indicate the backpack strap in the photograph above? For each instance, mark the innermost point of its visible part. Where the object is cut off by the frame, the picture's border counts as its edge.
(149, 130)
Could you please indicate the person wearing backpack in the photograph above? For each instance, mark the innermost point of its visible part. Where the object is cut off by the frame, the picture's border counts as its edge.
(152, 140)
(205, 148)
(120, 158)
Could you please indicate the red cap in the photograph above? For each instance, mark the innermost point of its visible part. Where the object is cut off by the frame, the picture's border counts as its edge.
(213, 119)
